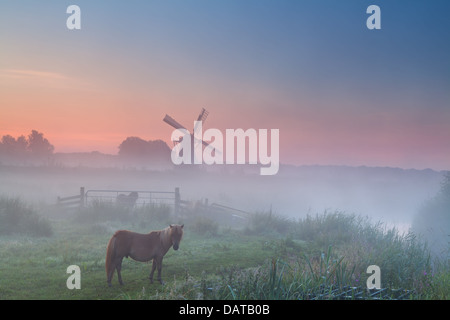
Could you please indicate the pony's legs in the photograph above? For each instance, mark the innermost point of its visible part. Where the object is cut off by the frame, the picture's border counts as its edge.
(153, 270)
(159, 270)
(111, 273)
(119, 267)
(157, 263)
(116, 264)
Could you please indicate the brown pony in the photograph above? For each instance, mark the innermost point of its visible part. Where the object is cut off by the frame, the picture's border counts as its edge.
(141, 247)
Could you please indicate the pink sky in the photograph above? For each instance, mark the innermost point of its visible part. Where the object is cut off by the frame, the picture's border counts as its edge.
(78, 116)
(340, 95)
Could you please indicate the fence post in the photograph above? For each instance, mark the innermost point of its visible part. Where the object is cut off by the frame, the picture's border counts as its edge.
(177, 201)
(81, 196)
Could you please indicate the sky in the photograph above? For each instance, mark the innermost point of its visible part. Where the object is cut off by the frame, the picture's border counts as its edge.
(339, 93)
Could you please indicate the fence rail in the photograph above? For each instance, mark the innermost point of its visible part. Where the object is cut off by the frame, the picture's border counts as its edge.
(72, 202)
(135, 197)
(131, 198)
(359, 293)
(124, 197)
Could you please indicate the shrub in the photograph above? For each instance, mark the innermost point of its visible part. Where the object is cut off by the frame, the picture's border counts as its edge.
(329, 228)
(205, 226)
(153, 213)
(99, 211)
(433, 220)
(17, 217)
(268, 222)
(102, 211)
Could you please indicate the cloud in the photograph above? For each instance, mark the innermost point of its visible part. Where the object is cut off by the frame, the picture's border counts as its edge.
(19, 73)
(25, 78)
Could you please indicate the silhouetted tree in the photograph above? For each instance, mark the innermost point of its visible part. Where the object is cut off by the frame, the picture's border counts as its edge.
(21, 146)
(153, 151)
(433, 219)
(13, 150)
(133, 147)
(38, 145)
(8, 145)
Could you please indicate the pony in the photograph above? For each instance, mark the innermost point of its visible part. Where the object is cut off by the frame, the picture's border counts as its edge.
(141, 247)
(127, 201)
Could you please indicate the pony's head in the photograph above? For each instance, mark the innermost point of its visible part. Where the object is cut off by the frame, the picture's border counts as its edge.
(176, 233)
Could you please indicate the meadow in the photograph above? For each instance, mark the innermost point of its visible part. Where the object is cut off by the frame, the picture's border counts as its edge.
(267, 257)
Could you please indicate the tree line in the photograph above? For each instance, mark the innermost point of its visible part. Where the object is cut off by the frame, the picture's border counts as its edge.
(36, 147)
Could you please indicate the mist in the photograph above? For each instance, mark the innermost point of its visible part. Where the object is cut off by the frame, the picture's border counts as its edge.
(390, 195)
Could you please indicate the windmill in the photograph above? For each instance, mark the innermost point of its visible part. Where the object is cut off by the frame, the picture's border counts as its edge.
(175, 124)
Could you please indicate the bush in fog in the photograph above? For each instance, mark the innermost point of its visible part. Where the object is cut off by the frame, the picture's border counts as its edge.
(153, 213)
(404, 258)
(205, 226)
(269, 222)
(101, 211)
(327, 228)
(433, 220)
(17, 217)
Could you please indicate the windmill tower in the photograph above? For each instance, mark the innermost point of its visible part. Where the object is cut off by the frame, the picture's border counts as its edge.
(175, 124)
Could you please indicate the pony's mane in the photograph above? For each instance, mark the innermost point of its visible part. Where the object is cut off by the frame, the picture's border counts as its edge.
(167, 232)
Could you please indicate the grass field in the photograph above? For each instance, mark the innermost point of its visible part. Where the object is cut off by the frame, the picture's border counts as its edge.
(269, 257)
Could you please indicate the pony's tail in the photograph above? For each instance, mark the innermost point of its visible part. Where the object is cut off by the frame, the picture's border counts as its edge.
(110, 254)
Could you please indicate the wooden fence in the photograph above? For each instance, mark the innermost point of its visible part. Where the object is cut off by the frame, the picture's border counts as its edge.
(142, 198)
(132, 198)
(72, 202)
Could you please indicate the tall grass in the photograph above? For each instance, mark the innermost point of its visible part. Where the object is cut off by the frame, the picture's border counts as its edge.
(327, 228)
(339, 249)
(99, 211)
(403, 257)
(18, 217)
(277, 279)
(268, 223)
(205, 226)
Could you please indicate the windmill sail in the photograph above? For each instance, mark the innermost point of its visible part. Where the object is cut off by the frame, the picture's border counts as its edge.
(171, 121)
(202, 117)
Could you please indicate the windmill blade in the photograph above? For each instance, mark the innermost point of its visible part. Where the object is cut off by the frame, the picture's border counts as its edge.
(203, 115)
(207, 145)
(171, 121)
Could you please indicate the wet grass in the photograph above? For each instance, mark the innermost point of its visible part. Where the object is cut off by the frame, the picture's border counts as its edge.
(35, 268)
(270, 258)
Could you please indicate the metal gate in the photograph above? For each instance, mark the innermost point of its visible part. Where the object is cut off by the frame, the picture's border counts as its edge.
(134, 197)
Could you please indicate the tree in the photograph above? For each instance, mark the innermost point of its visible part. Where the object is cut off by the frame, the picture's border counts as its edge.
(13, 148)
(38, 145)
(433, 219)
(153, 151)
(8, 145)
(21, 149)
(133, 147)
